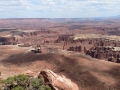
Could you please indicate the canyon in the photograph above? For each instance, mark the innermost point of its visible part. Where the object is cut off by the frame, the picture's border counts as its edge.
(85, 50)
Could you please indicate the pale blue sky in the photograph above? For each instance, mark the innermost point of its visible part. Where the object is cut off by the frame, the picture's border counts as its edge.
(58, 8)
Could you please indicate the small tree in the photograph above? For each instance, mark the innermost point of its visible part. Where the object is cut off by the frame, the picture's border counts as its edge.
(39, 84)
(44, 87)
(9, 82)
(36, 83)
(22, 80)
(18, 88)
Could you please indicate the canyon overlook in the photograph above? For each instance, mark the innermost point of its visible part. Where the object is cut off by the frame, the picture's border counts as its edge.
(97, 46)
(72, 54)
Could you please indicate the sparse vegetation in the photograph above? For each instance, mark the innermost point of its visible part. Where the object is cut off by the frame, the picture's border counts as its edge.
(23, 82)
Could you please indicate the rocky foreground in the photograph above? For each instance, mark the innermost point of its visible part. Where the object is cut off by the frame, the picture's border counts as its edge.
(55, 81)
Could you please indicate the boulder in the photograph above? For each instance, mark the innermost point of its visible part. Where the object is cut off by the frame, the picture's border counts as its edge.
(58, 82)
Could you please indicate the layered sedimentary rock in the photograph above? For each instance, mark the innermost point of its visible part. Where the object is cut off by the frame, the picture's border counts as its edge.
(109, 53)
(7, 39)
(100, 48)
(77, 49)
(35, 33)
(28, 36)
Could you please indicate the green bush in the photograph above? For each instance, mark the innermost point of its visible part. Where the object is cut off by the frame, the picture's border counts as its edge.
(9, 82)
(44, 87)
(23, 82)
(35, 83)
(18, 88)
(40, 84)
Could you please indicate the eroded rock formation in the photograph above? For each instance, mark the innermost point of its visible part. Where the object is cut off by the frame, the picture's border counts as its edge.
(7, 39)
(100, 48)
(57, 82)
(35, 33)
(109, 53)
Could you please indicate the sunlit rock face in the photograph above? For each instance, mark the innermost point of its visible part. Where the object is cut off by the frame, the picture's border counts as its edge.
(56, 81)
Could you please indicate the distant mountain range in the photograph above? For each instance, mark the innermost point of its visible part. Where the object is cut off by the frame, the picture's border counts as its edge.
(117, 17)
(66, 19)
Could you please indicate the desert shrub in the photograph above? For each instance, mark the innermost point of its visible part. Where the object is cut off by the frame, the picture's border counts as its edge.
(36, 83)
(23, 82)
(44, 87)
(17, 88)
(9, 82)
(40, 84)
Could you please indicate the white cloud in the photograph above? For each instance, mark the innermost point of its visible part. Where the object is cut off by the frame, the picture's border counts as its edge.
(76, 8)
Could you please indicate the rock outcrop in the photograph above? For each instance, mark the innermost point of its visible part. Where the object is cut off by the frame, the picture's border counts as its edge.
(109, 53)
(7, 39)
(57, 82)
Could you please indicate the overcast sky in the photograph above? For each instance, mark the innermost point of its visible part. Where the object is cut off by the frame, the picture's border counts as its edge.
(58, 8)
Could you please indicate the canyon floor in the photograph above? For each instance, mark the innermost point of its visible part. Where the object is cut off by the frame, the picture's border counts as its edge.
(64, 43)
(86, 72)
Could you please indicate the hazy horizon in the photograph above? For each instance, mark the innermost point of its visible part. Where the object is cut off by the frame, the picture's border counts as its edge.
(59, 8)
